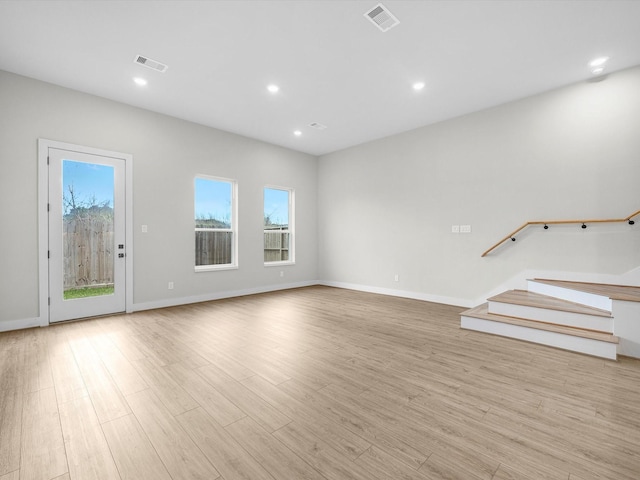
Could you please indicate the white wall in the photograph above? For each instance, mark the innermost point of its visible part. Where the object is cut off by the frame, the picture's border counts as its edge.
(168, 153)
(383, 208)
(387, 207)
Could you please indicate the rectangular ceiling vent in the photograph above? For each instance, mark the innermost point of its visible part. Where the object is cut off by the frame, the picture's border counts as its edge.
(147, 62)
(382, 18)
(318, 126)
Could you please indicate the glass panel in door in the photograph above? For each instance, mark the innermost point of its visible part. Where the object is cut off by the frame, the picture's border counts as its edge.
(87, 229)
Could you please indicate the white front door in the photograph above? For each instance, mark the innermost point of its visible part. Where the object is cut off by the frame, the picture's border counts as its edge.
(87, 247)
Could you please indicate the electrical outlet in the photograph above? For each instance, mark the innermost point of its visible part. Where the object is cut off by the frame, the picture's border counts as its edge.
(144, 229)
(455, 228)
(465, 228)
(396, 277)
(170, 285)
(281, 273)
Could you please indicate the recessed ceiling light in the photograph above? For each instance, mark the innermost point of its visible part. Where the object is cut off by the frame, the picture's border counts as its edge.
(297, 133)
(273, 88)
(597, 62)
(597, 70)
(140, 81)
(418, 85)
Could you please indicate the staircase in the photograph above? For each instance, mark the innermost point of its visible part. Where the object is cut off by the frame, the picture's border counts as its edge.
(594, 319)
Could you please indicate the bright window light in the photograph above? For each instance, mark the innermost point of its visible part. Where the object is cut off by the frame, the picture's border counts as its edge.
(418, 86)
(297, 133)
(273, 88)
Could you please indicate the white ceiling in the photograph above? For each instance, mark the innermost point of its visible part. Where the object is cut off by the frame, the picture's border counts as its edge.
(332, 65)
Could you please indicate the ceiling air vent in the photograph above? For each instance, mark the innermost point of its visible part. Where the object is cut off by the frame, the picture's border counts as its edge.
(382, 18)
(147, 62)
(318, 126)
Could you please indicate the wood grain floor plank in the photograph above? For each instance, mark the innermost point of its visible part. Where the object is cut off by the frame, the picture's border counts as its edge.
(272, 454)
(170, 393)
(67, 378)
(165, 351)
(88, 454)
(352, 419)
(251, 404)
(402, 421)
(222, 450)
(382, 466)
(506, 473)
(182, 458)
(232, 368)
(132, 451)
(107, 399)
(15, 475)
(11, 401)
(341, 438)
(320, 454)
(215, 403)
(42, 448)
(442, 465)
(36, 366)
(124, 375)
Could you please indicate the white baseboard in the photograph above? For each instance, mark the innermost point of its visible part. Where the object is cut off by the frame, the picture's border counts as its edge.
(458, 302)
(172, 302)
(9, 325)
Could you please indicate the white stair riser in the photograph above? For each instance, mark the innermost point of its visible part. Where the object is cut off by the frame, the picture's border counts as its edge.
(570, 319)
(583, 298)
(566, 342)
(627, 327)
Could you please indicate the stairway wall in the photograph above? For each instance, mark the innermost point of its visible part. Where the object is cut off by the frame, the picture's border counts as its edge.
(386, 207)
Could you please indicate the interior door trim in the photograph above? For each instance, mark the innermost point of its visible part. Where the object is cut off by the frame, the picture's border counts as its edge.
(43, 220)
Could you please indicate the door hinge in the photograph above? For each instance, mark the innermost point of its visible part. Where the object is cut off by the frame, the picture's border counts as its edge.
(49, 301)
(47, 160)
(48, 207)
(48, 253)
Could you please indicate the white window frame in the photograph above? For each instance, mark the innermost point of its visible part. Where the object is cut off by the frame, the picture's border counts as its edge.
(234, 225)
(291, 229)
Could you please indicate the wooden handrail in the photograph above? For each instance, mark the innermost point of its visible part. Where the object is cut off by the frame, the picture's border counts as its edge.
(555, 222)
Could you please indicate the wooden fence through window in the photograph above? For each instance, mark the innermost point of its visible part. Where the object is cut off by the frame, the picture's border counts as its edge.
(276, 245)
(88, 251)
(213, 247)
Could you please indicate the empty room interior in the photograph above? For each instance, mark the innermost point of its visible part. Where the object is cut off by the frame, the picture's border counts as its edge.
(322, 240)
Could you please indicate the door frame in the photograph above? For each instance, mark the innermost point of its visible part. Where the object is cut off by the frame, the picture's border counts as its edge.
(43, 220)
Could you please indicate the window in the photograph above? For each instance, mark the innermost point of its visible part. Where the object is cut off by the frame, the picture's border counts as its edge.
(278, 225)
(215, 223)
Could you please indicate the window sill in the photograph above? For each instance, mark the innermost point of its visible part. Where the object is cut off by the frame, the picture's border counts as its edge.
(214, 268)
(279, 264)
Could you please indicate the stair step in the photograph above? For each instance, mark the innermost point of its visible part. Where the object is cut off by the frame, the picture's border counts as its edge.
(600, 344)
(531, 299)
(629, 293)
(543, 308)
(482, 311)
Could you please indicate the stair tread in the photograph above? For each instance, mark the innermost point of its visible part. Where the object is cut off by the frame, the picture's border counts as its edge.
(630, 293)
(530, 299)
(482, 312)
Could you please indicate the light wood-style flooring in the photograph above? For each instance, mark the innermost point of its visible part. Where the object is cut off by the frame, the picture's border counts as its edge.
(315, 383)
